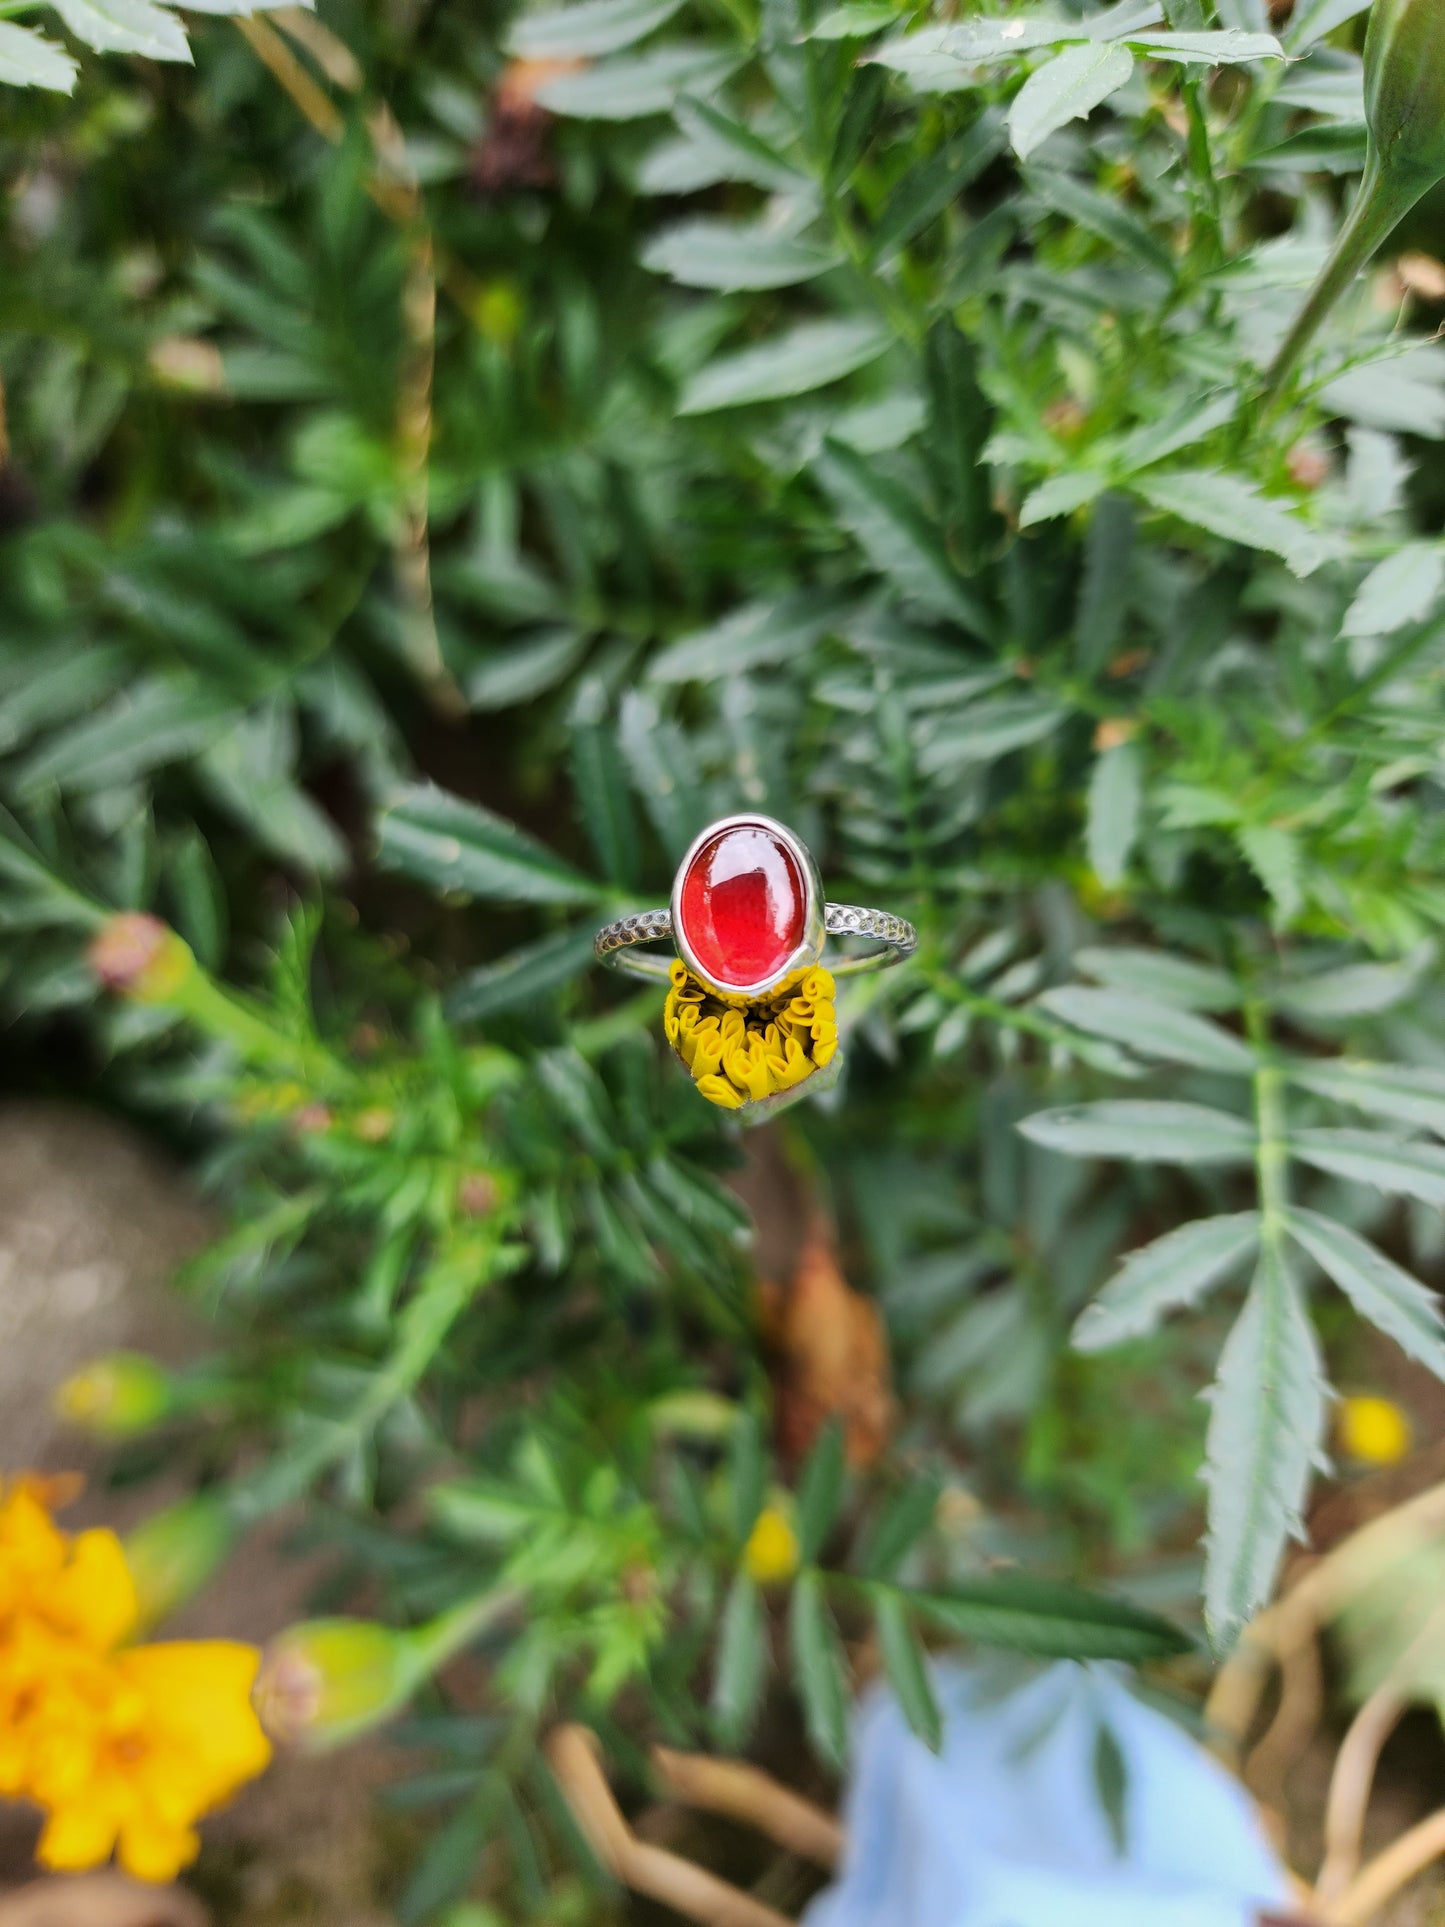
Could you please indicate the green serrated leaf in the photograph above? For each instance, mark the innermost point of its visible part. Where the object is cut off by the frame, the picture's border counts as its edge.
(809, 356)
(1358, 990)
(632, 87)
(1061, 495)
(523, 977)
(583, 32)
(759, 632)
(1111, 1783)
(525, 670)
(987, 730)
(1153, 1030)
(1173, 1272)
(1116, 790)
(747, 156)
(747, 1473)
(1311, 20)
(1404, 588)
(1145, 1131)
(452, 845)
(1162, 977)
(1399, 1305)
(1390, 1091)
(28, 59)
(906, 1665)
(1049, 1619)
(733, 256)
(900, 1523)
(604, 795)
(1275, 857)
(484, 1511)
(1405, 1169)
(1066, 88)
(742, 1662)
(855, 21)
(1228, 506)
(933, 184)
(1230, 48)
(820, 1490)
(898, 537)
(821, 1674)
(1266, 1432)
(126, 27)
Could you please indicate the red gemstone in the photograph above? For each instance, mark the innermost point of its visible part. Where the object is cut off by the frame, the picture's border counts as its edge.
(743, 905)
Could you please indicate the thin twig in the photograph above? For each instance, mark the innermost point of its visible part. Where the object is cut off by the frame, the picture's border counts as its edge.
(273, 53)
(392, 196)
(744, 1793)
(331, 54)
(1301, 1705)
(1387, 1873)
(573, 1753)
(1326, 1585)
(1351, 1784)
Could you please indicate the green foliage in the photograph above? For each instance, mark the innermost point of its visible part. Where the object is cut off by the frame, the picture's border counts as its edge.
(849, 415)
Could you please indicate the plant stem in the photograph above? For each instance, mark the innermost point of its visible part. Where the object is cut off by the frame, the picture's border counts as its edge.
(423, 1328)
(442, 1638)
(1382, 203)
(1271, 1124)
(227, 1018)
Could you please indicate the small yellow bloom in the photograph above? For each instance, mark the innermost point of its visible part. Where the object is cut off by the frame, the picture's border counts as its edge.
(171, 1735)
(771, 1554)
(745, 1055)
(117, 1397)
(1372, 1431)
(124, 1747)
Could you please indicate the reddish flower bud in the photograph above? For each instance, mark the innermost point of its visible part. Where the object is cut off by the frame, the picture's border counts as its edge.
(138, 956)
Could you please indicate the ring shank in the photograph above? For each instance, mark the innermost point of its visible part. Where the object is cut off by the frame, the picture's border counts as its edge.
(616, 943)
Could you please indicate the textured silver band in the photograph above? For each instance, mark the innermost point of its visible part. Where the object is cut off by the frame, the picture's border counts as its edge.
(615, 943)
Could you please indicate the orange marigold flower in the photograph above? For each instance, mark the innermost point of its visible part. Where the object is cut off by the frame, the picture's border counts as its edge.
(124, 1747)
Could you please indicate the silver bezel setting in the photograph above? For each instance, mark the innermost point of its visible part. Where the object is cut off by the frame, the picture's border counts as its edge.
(807, 953)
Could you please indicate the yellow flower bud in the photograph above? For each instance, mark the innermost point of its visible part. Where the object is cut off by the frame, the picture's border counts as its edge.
(173, 1553)
(140, 957)
(328, 1680)
(771, 1555)
(117, 1397)
(1372, 1431)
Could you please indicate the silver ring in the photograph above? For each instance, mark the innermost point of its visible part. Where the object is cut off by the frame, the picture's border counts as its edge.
(772, 925)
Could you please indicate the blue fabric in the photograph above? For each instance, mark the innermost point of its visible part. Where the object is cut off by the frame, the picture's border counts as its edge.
(1006, 1827)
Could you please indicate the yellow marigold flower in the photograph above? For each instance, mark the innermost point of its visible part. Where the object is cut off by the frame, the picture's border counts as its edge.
(173, 1735)
(1372, 1431)
(124, 1747)
(771, 1554)
(746, 1054)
